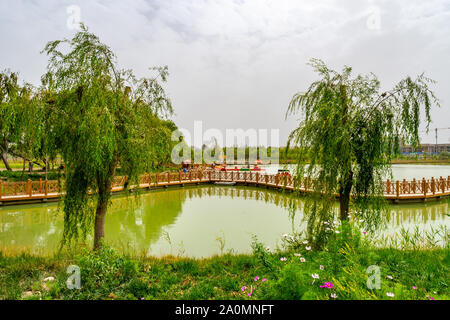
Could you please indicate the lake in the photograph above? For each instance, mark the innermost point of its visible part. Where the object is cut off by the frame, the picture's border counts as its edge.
(191, 221)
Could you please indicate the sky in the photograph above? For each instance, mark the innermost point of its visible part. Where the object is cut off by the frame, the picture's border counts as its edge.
(237, 64)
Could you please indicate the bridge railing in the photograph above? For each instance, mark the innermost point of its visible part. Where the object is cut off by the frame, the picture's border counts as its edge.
(421, 188)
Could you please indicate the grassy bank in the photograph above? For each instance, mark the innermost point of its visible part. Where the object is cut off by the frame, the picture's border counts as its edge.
(297, 272)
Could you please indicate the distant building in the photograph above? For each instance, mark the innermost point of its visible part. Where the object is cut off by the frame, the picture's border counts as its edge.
(427, 149)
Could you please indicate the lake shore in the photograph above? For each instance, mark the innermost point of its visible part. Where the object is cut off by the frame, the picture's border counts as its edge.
(336, 273)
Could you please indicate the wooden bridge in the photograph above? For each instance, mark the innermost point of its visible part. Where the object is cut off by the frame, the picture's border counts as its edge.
(12, 193)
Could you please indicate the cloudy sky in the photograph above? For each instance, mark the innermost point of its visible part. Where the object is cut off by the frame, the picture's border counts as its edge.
(236, 64)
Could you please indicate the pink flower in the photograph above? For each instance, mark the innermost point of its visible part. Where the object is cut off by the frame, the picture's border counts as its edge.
(250, 293)
(414, 287)
(283, 259)
(328, 285)
(264, 280)
(333, 295)
(243, 288)
(430, 298)
(364, 232)
(256, 278)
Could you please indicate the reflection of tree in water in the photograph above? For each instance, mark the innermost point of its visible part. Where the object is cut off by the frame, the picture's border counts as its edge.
(137, 222)
(37, 227)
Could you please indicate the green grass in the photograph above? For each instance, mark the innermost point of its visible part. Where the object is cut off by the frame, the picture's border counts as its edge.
(109, 275)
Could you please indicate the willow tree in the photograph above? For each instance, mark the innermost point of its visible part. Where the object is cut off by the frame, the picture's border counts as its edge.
(348, 132)
(102, 118)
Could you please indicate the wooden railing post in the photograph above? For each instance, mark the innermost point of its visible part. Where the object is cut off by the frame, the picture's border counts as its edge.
(1, 189)
(388, 186)
(424, 187)
(46, 187)
(30, 193)
(397, 188)
(414, 185)
(433, 185)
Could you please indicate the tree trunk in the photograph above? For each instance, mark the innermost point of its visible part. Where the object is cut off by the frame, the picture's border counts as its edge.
(344, 195)
(104, 192)
(100, 215)
(30, 167)
(5, 160)
(23, 169)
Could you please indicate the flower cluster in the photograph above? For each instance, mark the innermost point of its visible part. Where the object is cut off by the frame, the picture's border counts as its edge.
(252, 288)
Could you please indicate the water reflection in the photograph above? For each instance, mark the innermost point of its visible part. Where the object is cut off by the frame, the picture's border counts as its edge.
(191, 220)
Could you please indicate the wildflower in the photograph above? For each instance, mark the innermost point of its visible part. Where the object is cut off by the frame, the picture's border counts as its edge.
(285, 235)
(302, 259)
(326, 222)
(333, 295)
(283, 259)
(328, 285)
(361, 221)
(321, 267)
(390, 294)
(297, 254)
(315, 276)
(430, 298)
(256, 278)
(308, 248)
(337, 231)
(390, 277)
(264, 280)
(243, 288)
(364, 232)
(305, 242)
(414, 287)
(250, 293)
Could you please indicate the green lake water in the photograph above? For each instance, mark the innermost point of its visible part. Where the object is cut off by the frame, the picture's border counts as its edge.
(191, 221)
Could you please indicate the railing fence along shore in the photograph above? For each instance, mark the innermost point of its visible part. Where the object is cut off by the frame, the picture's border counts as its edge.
(42, 190)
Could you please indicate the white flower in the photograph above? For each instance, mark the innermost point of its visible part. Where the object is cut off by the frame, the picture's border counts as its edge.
(390, 277)
(321, 267)
(333, 295)
(326, 222)
(297, 254)
(302, 259)
(308, 248)
(361, 221)
(285, 235)
(327, 229)
(390, 294)
(315, 276)
(283, 259)
(49, 279)
(305, 242)
(337, 231)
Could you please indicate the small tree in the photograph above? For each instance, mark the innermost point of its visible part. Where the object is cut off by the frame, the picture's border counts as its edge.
(102, 118)
(348, 134)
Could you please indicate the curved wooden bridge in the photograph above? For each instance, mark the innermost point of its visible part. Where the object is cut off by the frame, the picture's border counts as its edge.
(12, 193)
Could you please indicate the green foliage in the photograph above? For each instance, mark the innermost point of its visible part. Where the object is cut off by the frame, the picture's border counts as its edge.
(20, 111)
(103, 272)
(348, 135)
(102, 118)
(17, 176)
